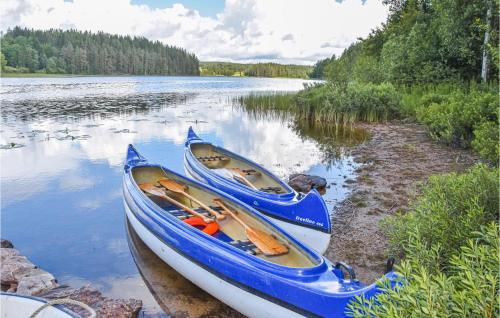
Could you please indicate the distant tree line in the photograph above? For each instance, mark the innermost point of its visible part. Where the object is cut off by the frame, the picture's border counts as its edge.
(257, 70)
(76, 52)
(318, 70)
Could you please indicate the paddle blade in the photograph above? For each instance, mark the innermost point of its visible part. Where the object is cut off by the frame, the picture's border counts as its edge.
(172, 185)
(265, 242)
(151, 189)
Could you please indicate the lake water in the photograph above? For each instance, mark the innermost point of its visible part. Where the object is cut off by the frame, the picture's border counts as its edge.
(63, 143)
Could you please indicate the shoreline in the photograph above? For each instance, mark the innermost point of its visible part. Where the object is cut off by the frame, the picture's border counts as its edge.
(396, 158)
(20, 276)
(45, 75)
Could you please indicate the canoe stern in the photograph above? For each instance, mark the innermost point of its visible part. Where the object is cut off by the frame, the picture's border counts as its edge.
(312, 210)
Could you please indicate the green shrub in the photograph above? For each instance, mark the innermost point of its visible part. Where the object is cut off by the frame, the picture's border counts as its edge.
(486, 141)
(451, 207)
(450, 268)
(453, 119)
(469, 287)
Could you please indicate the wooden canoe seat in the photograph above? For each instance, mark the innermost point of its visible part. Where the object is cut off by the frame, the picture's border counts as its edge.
(272, 190)
(213, 158)
(251, 172)
(182, 215)
(246, 246)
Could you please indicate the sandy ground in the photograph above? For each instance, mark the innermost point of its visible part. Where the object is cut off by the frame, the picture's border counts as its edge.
(394, 160)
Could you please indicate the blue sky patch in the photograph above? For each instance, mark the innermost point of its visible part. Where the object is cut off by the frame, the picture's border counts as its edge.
(207, 8)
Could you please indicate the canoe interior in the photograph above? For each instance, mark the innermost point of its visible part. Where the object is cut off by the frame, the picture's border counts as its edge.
(230, 231)
(260, 180)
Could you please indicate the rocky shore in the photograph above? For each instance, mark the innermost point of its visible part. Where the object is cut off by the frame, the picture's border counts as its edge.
(20, 275)
(394, 161)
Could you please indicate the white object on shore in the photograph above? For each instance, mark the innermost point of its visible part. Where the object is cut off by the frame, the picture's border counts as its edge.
(21, 306)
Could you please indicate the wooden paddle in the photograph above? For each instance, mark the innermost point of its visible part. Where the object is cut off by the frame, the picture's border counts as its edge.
(238, 173)
(151, 189)
(174, 186)
(264, 242)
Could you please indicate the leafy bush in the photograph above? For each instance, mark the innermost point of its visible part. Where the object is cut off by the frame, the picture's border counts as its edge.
(469, 287)
(450, 269)
(461, 119)
(451, 207)
(486, 141)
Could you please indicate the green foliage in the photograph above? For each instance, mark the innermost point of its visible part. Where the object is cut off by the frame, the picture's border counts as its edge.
(486, 141)
(318, 70)
(423, 42)
(3, 61)
(461, 119)
(451, 207)
(260, 69)
(451, 268)
(332, 103)
(468, 288)
(75, 52)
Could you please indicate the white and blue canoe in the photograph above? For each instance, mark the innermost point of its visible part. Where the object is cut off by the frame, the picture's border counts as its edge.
(298, 283)
(305, 216)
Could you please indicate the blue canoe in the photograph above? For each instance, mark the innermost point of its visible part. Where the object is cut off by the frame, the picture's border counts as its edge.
(305, 216)
(296, 283)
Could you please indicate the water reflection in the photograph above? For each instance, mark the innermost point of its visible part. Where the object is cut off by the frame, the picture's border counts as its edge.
(61, 200)
(177, 296)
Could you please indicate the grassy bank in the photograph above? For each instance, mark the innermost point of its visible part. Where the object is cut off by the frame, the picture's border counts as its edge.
(454, 115)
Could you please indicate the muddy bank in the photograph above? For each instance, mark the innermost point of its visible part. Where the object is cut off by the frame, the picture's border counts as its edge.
(393, 162)
(19, 275)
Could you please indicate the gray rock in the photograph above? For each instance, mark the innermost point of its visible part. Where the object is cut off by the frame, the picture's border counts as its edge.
(6, 244)
(35, 282)
(18, 274)
(304, 183)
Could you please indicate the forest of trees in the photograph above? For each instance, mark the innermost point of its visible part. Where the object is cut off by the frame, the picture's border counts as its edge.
(258, 70)
(75, 52)
(423, 41)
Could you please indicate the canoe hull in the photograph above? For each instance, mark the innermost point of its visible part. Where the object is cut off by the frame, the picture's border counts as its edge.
(235, 297)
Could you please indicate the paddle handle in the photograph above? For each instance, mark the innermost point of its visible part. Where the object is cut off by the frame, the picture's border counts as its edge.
(185, 208)
(225, 208)
(248, 183)
(206, 207)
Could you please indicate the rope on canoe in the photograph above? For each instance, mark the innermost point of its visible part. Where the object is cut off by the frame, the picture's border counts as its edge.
(62, 302)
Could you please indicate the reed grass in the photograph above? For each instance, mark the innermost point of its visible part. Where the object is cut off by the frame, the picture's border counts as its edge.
(330, 103)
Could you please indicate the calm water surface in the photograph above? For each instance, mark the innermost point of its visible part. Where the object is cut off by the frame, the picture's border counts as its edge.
(63, 142)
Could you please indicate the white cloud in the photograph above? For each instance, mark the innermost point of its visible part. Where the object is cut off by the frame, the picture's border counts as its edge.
(287, 31)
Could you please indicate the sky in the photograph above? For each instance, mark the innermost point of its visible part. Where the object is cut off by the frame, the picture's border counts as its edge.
(244, 31)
